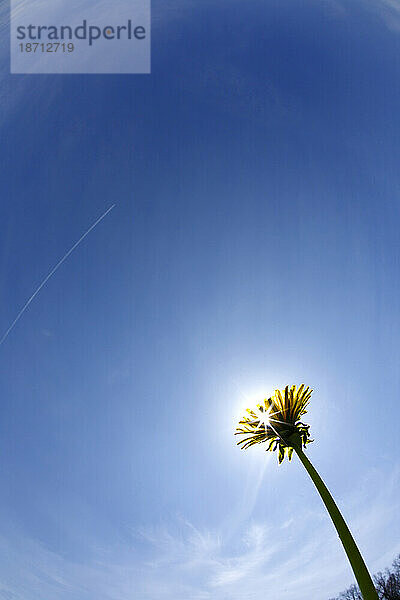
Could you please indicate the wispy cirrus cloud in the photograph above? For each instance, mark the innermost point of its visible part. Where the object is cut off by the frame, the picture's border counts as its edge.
(388, 10)
(292, 560)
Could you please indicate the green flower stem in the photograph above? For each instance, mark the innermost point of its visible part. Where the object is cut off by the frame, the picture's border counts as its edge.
(361, 573)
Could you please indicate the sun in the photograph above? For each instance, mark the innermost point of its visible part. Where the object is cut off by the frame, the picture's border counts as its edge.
(264, 416)
(251, 401)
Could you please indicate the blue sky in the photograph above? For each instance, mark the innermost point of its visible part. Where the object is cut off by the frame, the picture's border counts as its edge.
(254, 243)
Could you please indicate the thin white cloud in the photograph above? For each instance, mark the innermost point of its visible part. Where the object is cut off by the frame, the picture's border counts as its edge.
(289, 560)
(388, 10)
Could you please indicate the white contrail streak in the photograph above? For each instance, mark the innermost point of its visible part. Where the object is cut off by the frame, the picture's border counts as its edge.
(58, 265)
